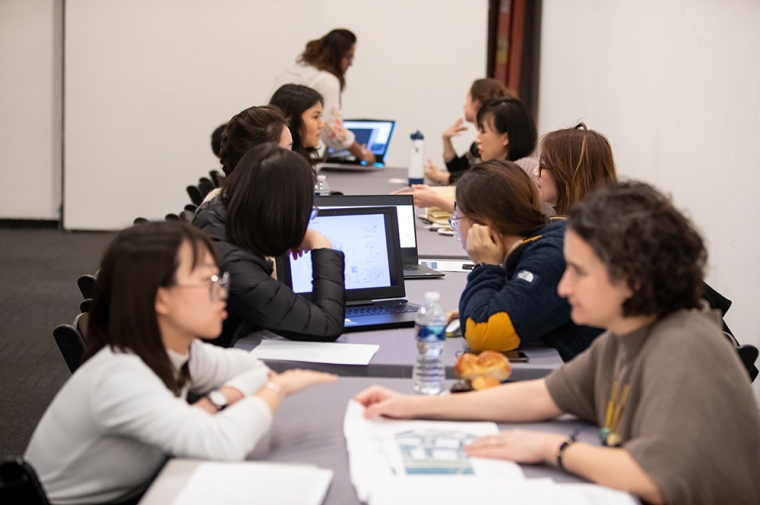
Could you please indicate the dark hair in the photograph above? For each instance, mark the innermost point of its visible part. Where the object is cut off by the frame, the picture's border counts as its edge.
(487, 89)
(502, 193)
(579, 160)
(294, 100)
(326, 53)
(641, 238)
(268, 198)
(249, 128)
(510, 115)
(123, 312)
(216, 139)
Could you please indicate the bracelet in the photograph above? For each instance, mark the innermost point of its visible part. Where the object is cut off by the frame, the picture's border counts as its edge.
(562, 448)
(274, 387)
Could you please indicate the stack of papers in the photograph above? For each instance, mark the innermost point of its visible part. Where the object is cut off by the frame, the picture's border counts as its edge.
(394, 462)
(382, 452)
(260, 483)
(315, 352)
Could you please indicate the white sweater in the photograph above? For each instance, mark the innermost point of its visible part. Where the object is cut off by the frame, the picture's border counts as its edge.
(114, 422)
(334, 134)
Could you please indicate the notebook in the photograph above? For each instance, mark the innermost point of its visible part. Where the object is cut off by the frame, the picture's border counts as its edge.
(374, 276)
(374, 133)
(404, 205)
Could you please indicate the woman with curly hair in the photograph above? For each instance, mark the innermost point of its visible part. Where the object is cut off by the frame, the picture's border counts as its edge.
(573, 162)
(678, 420)
(322, 66)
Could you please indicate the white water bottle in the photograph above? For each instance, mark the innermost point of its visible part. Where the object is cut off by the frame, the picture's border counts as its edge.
(417, 159)
(321, 188)
(430, 326)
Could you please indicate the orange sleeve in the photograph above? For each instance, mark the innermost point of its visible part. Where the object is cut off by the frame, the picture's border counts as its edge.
(496, 334)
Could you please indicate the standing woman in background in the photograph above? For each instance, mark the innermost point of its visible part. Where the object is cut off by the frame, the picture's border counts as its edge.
(322, 66)
(479, 93)
(303, 107)
(573, 162)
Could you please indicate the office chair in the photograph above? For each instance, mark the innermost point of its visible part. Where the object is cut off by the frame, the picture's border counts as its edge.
(80, 323)
(71, 345)
(216, 177)
(194, 194)
(86, 285)
(748, 354)
(172, 217)
(205, 186)
(190, 207)
(85, 305)
(19, 484)
(139, 220)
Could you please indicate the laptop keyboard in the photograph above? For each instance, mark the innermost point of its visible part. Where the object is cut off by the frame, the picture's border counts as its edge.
(411, 268)
(376, 310)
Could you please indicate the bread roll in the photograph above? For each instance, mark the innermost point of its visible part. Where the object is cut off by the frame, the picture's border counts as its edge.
(487, 364)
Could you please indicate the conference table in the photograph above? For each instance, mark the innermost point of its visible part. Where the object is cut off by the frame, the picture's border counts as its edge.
(397, 347)
(308, 429)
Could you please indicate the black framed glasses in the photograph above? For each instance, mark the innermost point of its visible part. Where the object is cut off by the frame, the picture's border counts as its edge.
(217, 283)
(314, 213)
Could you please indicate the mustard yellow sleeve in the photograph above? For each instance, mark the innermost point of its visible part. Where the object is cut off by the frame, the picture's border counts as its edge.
(495, 334)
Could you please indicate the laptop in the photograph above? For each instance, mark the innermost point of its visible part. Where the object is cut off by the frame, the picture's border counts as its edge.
(374, 133)
(374, 273)
(404, 205)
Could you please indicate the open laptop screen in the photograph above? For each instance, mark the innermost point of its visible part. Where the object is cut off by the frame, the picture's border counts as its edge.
(368, 238)
(376, 135)
(404, 204)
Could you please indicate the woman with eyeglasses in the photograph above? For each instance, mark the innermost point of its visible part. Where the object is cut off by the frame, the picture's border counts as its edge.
(573, 162)
(506, 131)
(263, 212)
(678, 422)
(511, 299)
(125, 410)
(322, 66)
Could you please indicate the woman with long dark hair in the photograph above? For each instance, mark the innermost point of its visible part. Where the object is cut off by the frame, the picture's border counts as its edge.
(303, 108)
(115, 421)
(322, 66)
(263, 212)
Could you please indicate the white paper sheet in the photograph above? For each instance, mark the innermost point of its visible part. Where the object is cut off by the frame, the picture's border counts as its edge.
(260, 483)
(382, 451)
(316, 352)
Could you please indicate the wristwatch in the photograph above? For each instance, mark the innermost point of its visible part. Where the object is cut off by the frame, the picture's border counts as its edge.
(218, 399)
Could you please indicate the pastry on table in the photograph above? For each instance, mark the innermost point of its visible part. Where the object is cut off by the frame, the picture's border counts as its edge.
(483, 371)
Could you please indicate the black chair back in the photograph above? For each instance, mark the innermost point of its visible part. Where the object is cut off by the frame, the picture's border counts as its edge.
(71, 345)
(205, 186)
(194, 194)
(216, 177)
(19, 484)
(748, 354)
(85, 305)
(86, 285)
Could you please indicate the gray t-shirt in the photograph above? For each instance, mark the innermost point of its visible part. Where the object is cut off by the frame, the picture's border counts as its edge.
(691, 421)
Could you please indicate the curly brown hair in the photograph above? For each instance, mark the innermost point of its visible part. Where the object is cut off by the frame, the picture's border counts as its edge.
(326, 53)
(638, 234)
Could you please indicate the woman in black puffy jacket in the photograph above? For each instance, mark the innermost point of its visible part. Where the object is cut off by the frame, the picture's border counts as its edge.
(263, 211)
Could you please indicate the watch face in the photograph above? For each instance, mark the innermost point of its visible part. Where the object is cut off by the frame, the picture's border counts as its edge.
(218, 399)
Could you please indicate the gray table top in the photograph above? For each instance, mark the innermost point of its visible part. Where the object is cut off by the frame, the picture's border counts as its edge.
(385, 181)
(308, 428)
(397, 352)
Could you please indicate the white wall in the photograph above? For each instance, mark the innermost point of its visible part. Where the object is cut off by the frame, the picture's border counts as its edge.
(147, 82)
(30, 108)
(675, 86)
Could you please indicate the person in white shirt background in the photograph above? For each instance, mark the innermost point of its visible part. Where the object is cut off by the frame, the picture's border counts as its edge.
(322, 66)
(110, 428)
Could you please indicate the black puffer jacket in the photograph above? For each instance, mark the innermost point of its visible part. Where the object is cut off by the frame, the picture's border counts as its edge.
(257, 301)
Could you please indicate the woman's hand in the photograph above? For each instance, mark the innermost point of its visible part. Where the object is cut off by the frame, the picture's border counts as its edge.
(367, 155)
(311, 241)
(451, 315)
(380, 401)
(435, 173)
(483, 246)
(293, 381)
(520, 446)
(425, 196)
(455, 129)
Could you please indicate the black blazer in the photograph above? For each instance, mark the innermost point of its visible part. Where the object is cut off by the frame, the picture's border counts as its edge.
(257, 301)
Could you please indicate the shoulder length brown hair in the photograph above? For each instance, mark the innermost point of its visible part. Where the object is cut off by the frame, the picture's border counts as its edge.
(327, 52)
(501, 193)
(123, 313)
(579, 160)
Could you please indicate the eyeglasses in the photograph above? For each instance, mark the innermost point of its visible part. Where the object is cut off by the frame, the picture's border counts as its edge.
(216, 285)
(314, 213)
(454, 219)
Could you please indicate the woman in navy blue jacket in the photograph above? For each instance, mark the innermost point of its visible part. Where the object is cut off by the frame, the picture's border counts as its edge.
(511, 296)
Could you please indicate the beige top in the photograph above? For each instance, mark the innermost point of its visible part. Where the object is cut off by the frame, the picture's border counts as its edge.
(691, 421)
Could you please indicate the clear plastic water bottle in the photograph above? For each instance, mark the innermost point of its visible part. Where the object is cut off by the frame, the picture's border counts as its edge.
(417, 159)
(430, 326)
(321, 188)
